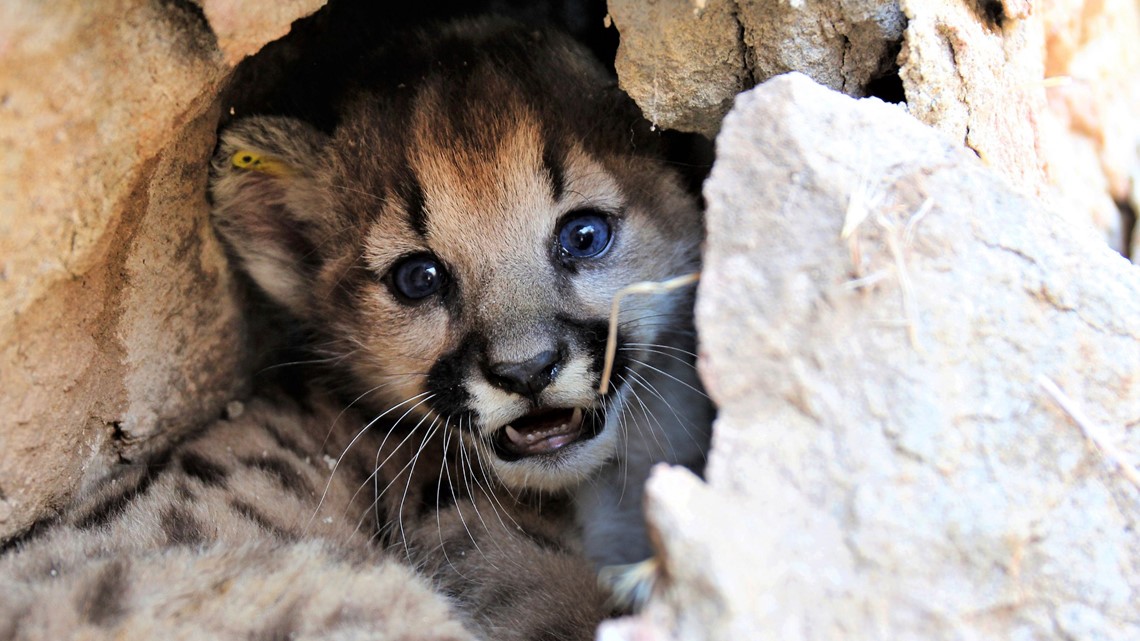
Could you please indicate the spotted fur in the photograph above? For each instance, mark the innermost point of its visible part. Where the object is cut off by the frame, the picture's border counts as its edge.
(246, 532)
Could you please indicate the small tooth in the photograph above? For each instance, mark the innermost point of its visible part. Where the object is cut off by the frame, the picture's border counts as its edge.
(514, 435)
(576, 417)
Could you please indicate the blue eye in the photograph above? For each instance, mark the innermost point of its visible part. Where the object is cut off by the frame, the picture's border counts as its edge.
(584, 234)
(417, 276)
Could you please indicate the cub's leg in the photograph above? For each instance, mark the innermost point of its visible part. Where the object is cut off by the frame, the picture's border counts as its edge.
(515, 574)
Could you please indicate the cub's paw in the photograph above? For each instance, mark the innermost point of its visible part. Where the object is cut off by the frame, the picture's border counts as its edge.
(630, 585)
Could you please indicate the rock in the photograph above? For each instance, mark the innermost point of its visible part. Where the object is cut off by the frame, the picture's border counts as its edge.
(1094, 64)
(1046, 99)
(976, 73)
(683, 61)
(1046, 94)
(892, 339)
(244, 27)
(1093, 67)
(119, 328)
(842, 45)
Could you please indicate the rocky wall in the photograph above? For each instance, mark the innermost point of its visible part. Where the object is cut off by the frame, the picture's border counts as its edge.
(118, 324)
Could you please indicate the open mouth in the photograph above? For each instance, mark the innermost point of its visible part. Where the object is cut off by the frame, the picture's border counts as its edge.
(545, 431)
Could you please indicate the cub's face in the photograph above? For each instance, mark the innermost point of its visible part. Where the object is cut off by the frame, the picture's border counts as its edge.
(458, 240)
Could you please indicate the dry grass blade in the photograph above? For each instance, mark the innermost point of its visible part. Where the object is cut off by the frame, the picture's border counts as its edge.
(1093, 432)
(642, 287)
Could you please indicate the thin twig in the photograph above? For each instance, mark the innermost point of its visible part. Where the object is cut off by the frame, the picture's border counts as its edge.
(1093, 432)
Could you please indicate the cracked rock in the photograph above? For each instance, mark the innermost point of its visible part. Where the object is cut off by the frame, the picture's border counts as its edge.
(681, 63)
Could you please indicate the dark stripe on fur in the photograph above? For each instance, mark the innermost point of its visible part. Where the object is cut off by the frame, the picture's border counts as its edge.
(251, 513)
(180, 527)
(446, 376)
(282, 472)
(544, 542)
(452, 297)
(553, 160)
(440, 494)
(38, 528)
(351, 285)
(102, 601)
(286, 441)
(116, 504)
(413, 195)
(184, 493)
(592, 335)
(199, 467)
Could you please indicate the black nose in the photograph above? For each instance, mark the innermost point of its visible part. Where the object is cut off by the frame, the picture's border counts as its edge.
(528, 377)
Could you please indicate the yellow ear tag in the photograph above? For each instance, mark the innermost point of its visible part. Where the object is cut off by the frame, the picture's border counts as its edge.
(254, 161)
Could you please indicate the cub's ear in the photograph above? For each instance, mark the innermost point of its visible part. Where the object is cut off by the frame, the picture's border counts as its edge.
(268, 206)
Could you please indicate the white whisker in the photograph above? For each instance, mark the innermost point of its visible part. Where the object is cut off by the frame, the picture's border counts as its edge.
(336, 465)
(668, 375)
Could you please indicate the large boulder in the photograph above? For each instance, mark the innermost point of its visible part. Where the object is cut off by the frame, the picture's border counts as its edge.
(928, 387)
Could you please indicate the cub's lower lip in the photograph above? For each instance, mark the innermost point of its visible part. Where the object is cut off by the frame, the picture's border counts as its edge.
(543, 432)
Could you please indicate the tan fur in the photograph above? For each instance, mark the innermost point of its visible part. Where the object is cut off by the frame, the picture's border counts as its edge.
(247, 530)
(265, 589)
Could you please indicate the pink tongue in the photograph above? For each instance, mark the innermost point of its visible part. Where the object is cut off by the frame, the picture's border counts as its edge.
(546, 436)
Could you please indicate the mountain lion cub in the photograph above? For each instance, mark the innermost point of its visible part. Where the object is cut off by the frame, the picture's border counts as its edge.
(453, 246)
